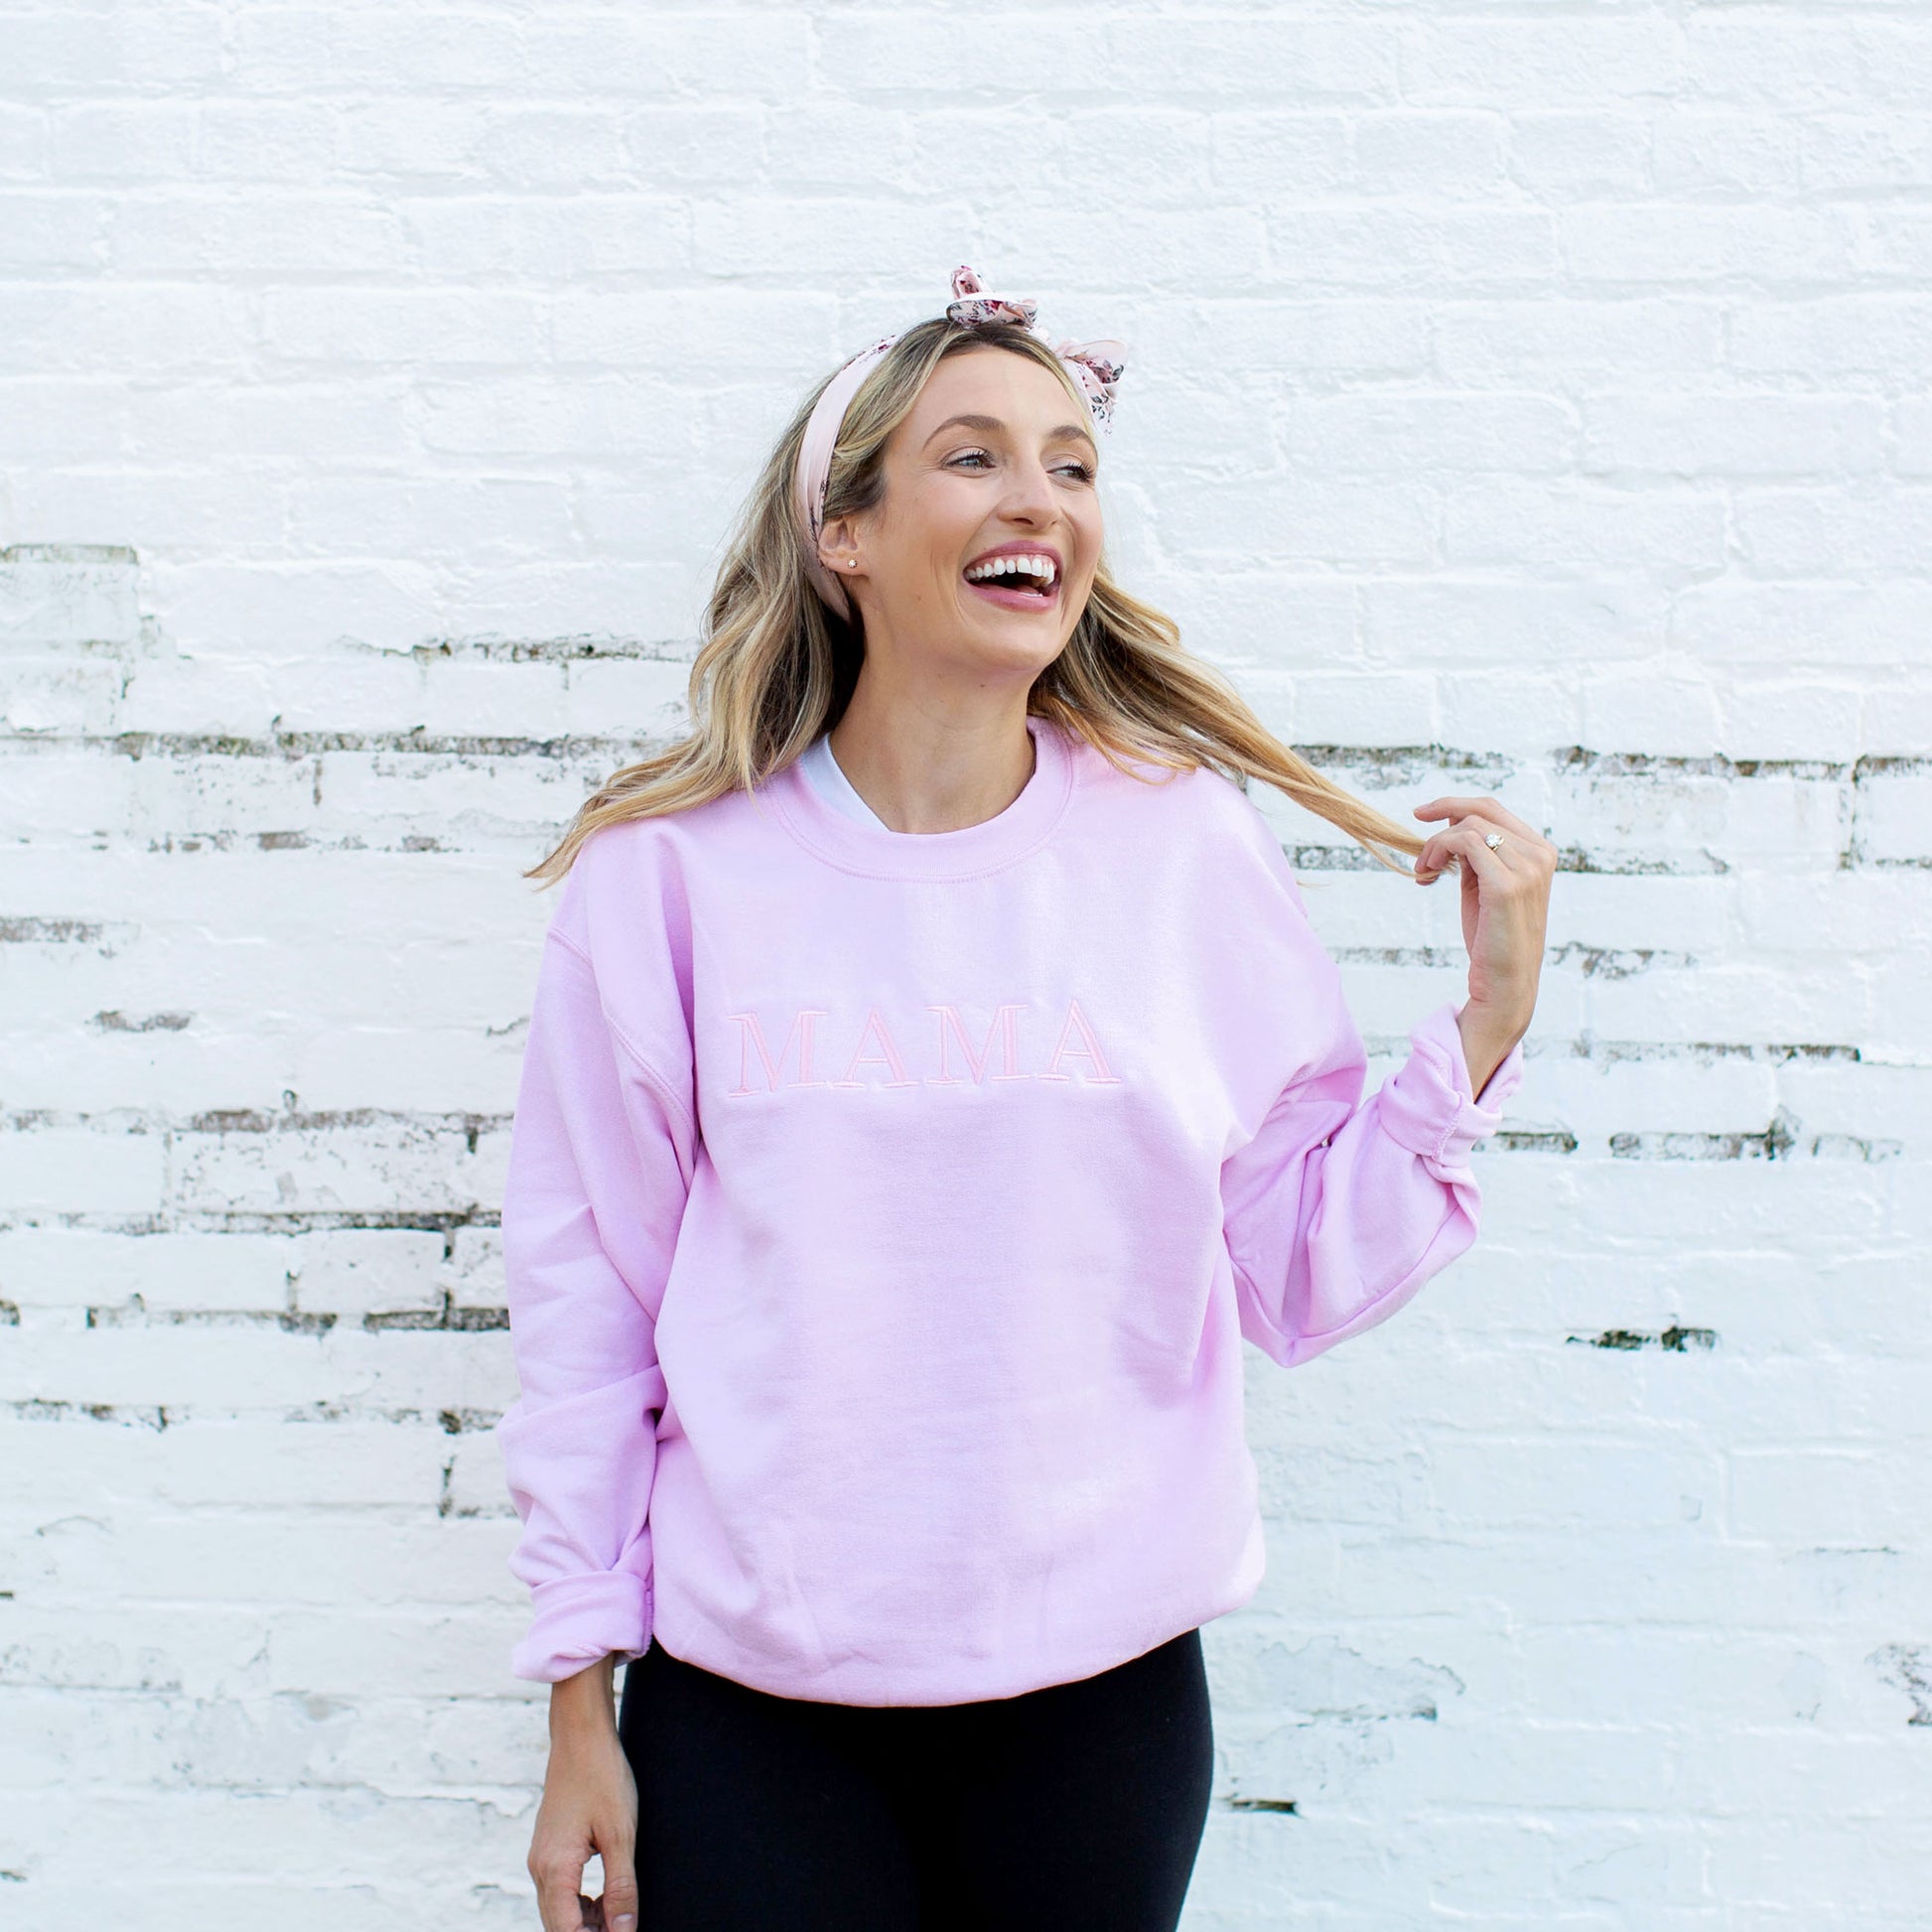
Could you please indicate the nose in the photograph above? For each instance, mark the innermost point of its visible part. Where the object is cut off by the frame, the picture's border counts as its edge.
(1028, 497)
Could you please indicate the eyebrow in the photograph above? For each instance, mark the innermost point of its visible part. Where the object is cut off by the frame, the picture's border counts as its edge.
(992, 426)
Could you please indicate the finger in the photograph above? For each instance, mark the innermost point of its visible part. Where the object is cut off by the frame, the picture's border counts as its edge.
(1442, 850)
(559, 1903)
(619, 1889)
(1508, 853)
(1491, 808)
(1499, 815)
(1465, 840)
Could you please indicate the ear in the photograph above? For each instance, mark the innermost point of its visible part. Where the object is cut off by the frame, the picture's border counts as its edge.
(838, 547)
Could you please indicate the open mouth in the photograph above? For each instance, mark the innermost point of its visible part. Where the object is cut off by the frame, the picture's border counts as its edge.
(1020, 582)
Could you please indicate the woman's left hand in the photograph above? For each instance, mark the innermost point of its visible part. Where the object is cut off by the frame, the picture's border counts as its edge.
(1505, 912)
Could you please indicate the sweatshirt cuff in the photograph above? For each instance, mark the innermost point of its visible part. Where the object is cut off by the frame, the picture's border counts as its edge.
(1427, 1105)
(579, 1619)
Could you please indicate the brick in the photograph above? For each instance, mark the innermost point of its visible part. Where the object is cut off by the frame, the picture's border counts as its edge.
(138, 50)
(303, 53)
(332, 325)
(53, 231)
(283, 233)
(1850, 334)
(1573, 344)
(1510, 434)
(715, 144)
(556, 148)
(1499, 521)
(1835, 534)
(1396, 249)
(271, 140)
(1281, 337)
(1581, 151)
(1698, 152)
(1863, 150)
(124, 141)
(23, 143)
(152, 327)
(1738, 435)
(667, 52)
(536, 240)
(1280, 520)
(1821, 624)
(1573, 61)
(1432, 153)
(1486, 622)
(1807, 64)
(1687, 244)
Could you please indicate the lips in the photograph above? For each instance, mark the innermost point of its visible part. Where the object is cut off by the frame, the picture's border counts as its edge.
(1017, 575)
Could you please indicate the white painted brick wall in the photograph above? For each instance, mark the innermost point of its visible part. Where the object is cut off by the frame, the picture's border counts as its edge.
(1520, 401)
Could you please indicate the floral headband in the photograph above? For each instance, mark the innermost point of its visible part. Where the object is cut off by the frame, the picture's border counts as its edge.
(1095, 367)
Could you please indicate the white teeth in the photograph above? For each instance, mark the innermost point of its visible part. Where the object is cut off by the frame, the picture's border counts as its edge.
(1032, 566)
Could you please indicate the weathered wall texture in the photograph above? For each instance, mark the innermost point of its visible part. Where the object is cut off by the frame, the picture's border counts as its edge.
(1530, 401)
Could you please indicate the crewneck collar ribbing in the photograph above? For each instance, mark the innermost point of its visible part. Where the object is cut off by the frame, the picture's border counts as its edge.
(877, 853)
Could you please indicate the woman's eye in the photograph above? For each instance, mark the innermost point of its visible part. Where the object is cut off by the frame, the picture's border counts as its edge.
(1080, 471)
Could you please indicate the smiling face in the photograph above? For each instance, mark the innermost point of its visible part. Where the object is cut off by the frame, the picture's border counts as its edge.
(987, 535)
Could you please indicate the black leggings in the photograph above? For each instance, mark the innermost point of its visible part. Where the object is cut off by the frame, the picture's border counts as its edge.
(1077, 1807)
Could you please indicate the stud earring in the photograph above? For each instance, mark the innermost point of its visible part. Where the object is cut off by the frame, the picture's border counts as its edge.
(852, 563)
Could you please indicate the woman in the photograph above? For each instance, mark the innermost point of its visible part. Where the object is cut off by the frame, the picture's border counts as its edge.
(932, 1076)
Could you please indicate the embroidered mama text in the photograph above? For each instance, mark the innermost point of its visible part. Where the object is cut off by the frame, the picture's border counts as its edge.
(949, 1053)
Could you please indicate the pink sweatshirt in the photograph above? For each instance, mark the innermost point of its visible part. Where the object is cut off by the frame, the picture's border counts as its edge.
(884, 1212)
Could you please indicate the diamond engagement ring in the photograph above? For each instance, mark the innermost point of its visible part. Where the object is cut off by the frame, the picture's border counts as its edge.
(1492, 840)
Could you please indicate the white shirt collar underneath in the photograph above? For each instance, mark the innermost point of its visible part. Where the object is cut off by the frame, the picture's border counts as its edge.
(831, 783)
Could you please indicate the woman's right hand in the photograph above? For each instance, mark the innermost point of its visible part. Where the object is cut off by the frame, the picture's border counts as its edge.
(590, 1806)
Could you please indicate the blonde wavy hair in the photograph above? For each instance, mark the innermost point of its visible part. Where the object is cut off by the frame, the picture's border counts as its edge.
(775, 666)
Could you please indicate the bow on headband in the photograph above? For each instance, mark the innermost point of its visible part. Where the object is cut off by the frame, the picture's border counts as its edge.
(1096, 366)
